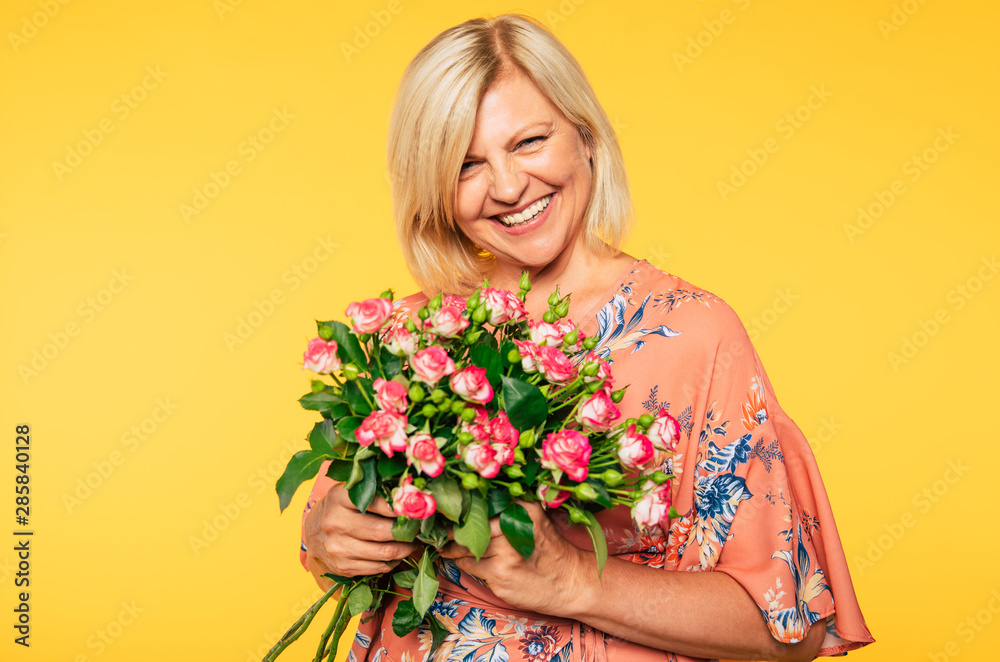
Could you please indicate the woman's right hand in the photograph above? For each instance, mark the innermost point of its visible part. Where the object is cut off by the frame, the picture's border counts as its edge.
(341, 540)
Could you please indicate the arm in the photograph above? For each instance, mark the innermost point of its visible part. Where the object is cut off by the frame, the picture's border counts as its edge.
(662, 609)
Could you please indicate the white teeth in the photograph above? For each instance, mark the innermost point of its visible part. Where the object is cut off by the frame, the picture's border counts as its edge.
(527, 214)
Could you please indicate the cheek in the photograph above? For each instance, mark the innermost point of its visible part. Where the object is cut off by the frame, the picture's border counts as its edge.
(469, 199)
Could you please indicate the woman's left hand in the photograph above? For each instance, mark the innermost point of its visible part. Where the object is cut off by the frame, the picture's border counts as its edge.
(546, 582)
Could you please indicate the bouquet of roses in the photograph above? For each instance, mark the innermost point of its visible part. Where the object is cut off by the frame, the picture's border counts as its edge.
(453, 416)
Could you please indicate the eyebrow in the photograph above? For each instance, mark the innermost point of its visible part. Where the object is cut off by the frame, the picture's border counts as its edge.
(533, 129)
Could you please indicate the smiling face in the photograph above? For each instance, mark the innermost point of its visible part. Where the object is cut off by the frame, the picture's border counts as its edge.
(526, 179)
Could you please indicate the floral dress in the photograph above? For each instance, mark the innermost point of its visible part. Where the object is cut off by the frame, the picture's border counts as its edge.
(748, 492)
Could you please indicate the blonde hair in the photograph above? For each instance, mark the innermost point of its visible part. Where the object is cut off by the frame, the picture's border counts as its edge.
(432, 125)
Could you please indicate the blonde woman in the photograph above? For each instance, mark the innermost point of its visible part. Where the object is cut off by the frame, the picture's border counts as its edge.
(501, 159)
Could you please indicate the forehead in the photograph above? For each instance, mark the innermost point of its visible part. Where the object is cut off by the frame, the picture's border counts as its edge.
(510, 104)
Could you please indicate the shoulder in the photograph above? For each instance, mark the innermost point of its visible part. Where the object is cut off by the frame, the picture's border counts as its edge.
(682, 306)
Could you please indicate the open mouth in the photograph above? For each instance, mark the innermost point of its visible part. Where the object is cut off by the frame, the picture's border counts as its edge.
(520, 218)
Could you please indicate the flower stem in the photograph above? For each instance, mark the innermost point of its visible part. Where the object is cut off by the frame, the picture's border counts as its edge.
(300, 626)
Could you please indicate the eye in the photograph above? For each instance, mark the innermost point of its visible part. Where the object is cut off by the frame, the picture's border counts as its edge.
(467, 166)
(534, 140)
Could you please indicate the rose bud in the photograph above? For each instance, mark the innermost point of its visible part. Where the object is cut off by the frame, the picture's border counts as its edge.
(598, 412)
(385, 427)
(634, 448)
(409, 501)
(653, 509)
(552, 497)
(400, 341)
(431, 364)
(369, 315)
(448, 322)
(569, 451)
(664, 431)
(390, 395)
(321, 356)
(482, 458)
(471, 384)
(555, 365)
(422, 452)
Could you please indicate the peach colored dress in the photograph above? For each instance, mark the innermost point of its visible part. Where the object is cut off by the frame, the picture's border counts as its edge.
(748, 490)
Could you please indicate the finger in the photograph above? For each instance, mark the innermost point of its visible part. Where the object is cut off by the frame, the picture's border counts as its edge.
(380, 506)
(342, 557)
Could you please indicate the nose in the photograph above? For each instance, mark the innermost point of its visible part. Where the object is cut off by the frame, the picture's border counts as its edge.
(507, 183)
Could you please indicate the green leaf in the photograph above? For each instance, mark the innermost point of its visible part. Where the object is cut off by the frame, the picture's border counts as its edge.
(438, 634)
(525, 404)
(498, 500)
(322, 401)
(360, 599)
(391, 365)
(303, 466)
(406, 578)
(391, 466)
(324, 439)
(603, 498)
(340, 470)
(347, 426)
(425, 586)
(406, 619)
(531, 470)
(352, 391)
(474, 532)
(517, 526)
(448, 496)
(673, 514)
(598, 540)
(405, 529)
(505, 350)
(357, 471)
(486, 357)
(433, 533)
(363, 493)
(348, 348)
(338, 579)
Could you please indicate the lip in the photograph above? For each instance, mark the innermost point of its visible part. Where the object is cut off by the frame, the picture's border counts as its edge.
(530, 225)
(518, 210)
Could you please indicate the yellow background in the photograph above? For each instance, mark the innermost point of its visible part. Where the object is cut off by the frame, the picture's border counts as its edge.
(128, 301)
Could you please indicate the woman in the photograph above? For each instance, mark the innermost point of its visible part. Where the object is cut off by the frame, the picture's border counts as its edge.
(502, 160)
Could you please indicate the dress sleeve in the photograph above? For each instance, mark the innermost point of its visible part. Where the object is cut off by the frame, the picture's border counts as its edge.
(755, 506)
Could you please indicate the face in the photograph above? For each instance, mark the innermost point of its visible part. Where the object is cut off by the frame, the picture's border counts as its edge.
(525, 182)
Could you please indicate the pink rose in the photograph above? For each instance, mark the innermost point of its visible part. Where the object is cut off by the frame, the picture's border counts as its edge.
(448, 322)
(321, 356)
(503, 306)
(400, 342)
(409, 501)
(545, 334)
(552, 497)
(454, 301)
(569, 451)
(598, 412)
(653, 509)
(503, 453)
(471, 384)
(530, 354)
(390, 395)
(385, 427)
(665, 431)
(634, 448)
(422, 453)
(369, 315)
(502, 432)
(555, 365)
(431, 364)
(481, 458)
